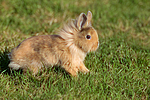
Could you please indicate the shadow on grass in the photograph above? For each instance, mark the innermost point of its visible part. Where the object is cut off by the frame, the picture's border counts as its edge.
(4, 61)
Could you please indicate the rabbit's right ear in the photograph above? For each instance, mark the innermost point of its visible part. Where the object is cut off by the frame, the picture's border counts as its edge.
(81, 21)
(89, 17)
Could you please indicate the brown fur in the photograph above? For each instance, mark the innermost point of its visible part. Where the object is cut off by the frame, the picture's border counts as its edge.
(68, 49)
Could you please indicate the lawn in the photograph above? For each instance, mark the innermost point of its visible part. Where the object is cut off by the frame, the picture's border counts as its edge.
(119, 69)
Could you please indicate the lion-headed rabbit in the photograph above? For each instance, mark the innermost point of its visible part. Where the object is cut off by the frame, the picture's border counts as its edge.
(68, 49)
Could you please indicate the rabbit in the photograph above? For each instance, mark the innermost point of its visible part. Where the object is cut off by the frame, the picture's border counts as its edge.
(68, 49)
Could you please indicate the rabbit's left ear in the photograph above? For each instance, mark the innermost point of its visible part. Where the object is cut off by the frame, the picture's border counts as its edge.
(81, 21)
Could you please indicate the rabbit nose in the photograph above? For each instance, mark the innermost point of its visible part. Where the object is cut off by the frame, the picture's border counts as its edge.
(97, 44)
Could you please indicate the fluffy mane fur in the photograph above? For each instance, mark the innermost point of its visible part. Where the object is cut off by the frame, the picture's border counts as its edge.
(68, 33)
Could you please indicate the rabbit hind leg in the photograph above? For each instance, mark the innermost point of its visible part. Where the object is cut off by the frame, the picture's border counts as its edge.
(34, 68)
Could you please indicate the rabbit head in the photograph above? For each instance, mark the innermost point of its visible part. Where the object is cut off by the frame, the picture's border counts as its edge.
(81, 34)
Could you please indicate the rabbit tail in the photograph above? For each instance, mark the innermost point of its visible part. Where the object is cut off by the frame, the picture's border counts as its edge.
(12, 64)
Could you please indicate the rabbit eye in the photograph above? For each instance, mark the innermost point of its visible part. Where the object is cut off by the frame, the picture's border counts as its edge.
(88, 37)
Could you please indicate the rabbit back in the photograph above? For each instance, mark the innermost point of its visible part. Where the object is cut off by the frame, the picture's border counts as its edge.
(35, 52)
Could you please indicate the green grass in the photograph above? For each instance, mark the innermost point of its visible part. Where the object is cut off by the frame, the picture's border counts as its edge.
(120, 68)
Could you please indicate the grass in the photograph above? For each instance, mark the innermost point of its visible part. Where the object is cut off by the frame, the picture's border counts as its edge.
(120, 68)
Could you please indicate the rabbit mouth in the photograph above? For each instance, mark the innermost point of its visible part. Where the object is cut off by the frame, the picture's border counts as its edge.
(95, 46)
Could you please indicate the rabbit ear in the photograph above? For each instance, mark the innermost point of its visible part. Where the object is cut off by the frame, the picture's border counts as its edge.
(81, 21)
(88, 21)
(89, 17)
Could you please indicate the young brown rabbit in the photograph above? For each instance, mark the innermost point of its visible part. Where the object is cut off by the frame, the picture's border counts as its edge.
(68, 49)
